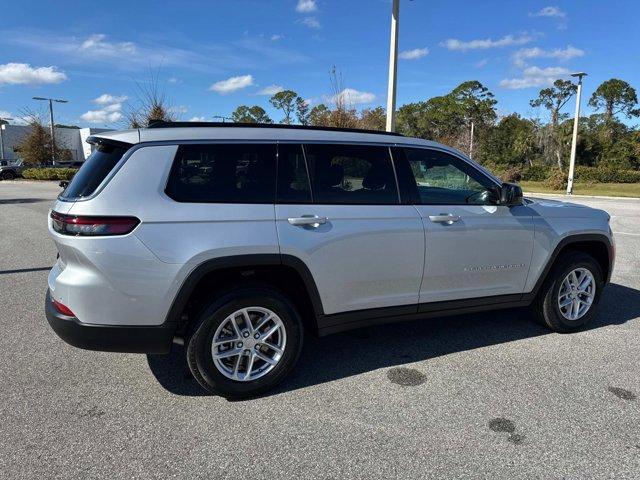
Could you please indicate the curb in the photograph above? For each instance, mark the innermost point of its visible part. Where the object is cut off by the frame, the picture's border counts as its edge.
(569, 197)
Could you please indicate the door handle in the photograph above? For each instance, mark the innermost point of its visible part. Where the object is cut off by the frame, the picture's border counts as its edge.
(307, 221)
(447, 218)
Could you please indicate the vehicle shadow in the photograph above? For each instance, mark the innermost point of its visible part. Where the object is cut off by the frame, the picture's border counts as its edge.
(351, 353)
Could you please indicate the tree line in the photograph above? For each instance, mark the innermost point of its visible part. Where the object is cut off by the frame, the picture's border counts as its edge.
(514, 146)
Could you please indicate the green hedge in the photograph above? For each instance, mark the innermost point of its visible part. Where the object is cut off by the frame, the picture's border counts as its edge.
(49, 173)
(541, 173)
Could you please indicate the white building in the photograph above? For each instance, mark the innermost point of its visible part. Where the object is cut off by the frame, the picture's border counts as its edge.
(75, 139)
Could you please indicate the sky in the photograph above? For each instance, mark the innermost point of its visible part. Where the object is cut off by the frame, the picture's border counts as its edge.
(208, 57)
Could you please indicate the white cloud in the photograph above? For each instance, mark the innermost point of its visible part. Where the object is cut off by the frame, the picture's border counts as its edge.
(350, 95)
(179, 109)
(520, 57)
(98, 45)
(197, 119)
(25, 74)
(101, 116)
(483, 44)
(481, 63)
(414, 54)
(110, 112)
(276, 36)
(311, 22)
(306, 6)
(270, 90)
(4, 114)
(553, 12)
(232, 84)
(535, 77)
(107, 98)
(174, 80)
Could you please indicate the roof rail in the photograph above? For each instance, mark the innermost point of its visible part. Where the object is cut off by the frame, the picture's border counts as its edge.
(164, 124)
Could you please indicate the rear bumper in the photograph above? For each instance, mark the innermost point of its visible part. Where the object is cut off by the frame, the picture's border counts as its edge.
(110, 338)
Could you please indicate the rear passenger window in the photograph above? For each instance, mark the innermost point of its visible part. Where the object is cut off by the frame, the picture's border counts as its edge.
(351, 174)
(293, 180)
(215, 173)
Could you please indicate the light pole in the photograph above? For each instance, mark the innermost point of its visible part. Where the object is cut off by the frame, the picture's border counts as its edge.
(471, 141)
(5, 119)
(53, 133)
(393, 67)
(574, 140)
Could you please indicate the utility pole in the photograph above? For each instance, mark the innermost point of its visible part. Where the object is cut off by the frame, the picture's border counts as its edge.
(53, 133)
(393, 67)
(6, 119)
(574, 140)
(471, 141)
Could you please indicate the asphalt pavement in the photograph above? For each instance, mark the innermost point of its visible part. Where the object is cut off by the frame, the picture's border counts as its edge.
(490, 395)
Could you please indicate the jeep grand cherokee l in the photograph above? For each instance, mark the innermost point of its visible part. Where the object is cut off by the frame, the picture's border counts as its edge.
(238, 240)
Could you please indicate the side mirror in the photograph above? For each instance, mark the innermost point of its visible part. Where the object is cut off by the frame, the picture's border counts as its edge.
(510, 194)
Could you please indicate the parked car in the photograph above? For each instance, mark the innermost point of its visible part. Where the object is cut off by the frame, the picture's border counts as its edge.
(239, 240)
(10, 170)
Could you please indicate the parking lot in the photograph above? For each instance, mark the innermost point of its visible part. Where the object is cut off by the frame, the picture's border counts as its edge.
(489, 395)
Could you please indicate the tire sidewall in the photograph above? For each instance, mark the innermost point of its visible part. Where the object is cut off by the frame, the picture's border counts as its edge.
(551, 302)
(199, 346)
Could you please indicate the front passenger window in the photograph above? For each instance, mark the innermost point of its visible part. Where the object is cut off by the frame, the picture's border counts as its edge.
(442, 179)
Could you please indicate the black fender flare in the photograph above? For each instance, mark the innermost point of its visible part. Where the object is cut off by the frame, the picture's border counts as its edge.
(565, 242)
(249, 260)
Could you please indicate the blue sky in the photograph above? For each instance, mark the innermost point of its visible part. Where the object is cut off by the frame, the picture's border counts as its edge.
(211, 56)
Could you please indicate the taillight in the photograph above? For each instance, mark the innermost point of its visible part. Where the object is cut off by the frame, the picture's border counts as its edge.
(63, 309)
(92, 226)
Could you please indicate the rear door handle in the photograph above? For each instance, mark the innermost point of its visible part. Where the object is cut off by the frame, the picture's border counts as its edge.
(447, 218)
(307, 221)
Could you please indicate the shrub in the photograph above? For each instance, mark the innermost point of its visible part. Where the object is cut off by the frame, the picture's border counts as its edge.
(557, 179)
(606, 175)
(512, 175)
(49, 173)
(536, 173)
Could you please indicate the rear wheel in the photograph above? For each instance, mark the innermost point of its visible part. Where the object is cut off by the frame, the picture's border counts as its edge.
(571, 293)
(8, 175)
(245, 342)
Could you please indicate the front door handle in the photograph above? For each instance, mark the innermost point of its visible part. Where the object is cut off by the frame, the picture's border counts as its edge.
(447, 218)
(307, 221)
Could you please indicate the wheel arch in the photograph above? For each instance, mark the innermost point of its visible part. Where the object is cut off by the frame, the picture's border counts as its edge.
(285, 272)
(597, 245)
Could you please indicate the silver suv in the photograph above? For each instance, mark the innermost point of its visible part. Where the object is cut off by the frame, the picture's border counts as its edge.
(237, 240)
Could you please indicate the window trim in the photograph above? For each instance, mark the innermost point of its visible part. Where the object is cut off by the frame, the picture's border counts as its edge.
(414, 194)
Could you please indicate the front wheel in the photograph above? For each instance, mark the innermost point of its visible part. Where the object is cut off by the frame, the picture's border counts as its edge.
(571, 293)
(8, 175)
(245, 342)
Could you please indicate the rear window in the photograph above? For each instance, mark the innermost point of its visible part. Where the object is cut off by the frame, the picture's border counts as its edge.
(94, 170)
(224, 173)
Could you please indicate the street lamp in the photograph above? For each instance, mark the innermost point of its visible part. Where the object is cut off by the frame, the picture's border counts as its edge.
(53, 136)
(5, 119)
(574, 140)
(393, 67)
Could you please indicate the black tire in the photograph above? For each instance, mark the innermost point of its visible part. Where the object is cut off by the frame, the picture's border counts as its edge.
(198, 347)
(8, 175)
(546, 306)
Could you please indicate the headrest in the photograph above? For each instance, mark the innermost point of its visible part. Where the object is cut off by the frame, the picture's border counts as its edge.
(375, 178)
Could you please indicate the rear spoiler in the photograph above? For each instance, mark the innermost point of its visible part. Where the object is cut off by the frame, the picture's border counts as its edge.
(95, 140)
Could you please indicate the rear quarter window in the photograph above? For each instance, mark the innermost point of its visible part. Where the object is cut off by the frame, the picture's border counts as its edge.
(224, 173)
(94, 170)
